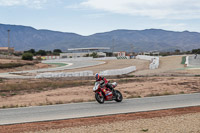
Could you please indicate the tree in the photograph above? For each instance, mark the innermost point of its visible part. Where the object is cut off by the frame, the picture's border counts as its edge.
(27, 56)
(57, 51)
(49, 52)
(177, 51)
(86, 55)
(30, 51)
(196, 51)
(41, 52)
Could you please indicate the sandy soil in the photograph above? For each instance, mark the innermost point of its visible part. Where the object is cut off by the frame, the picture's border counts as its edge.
(172, 124)
(182, 120)
(130, 88)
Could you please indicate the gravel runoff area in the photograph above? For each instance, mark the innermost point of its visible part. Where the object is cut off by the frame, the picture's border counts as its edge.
(181, 120)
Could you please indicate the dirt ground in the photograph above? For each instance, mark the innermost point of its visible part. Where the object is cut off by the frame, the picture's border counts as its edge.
(25, 63)
(130, 88)
(181, 120)
(161, 81)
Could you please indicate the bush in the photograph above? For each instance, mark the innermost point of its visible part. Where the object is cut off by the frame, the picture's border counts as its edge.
(27, 56)
(94, 55)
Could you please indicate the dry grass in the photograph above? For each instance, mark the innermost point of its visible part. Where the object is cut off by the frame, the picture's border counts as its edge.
(26, 86)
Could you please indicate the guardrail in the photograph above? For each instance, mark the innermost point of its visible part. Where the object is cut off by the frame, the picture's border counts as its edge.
(118, 71)
(63, 74)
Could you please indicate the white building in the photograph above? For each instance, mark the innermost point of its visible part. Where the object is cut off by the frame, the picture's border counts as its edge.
(84, 52)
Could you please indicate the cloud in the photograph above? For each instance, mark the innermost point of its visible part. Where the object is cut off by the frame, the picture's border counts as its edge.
(159, 9)
(28, 3)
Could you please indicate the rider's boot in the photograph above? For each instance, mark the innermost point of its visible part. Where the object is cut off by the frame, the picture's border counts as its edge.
(114, 94)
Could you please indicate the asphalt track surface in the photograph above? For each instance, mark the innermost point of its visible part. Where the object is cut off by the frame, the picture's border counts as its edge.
(194, 60)
(89, 109)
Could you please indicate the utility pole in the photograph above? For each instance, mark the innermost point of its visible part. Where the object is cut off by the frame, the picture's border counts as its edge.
(113, 45)
(8, 42)
(132, 48)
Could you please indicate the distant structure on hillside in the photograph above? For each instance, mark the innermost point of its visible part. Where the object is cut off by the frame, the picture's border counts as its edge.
(85, 52)
(154, 53)
(6, 50)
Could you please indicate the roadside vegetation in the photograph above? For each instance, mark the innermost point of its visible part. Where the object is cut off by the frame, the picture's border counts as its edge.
(43, 52)
(26, 86)
(27, 56)
(13, 65)
(179, 52)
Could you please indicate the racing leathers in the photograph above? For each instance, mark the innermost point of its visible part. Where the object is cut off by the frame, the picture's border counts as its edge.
(103, 81)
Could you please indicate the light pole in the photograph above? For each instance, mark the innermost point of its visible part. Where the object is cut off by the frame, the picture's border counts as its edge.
(8, 42)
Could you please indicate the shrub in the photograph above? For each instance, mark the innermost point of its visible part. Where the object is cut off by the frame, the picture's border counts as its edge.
(27, 56)
(94, 55)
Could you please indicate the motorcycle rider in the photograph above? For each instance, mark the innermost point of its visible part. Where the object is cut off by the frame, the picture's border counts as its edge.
(102, 81)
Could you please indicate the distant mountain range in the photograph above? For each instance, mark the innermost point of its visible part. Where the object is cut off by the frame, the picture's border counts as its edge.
(25, 38)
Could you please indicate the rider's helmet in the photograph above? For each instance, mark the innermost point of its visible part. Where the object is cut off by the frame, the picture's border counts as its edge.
(97, 76)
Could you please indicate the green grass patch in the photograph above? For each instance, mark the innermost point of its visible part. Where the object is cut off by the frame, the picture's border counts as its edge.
(183, 60)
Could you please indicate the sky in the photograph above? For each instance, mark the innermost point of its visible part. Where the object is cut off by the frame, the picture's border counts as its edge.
(86, 17)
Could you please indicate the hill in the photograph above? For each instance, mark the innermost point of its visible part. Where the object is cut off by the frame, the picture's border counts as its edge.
(24, 38)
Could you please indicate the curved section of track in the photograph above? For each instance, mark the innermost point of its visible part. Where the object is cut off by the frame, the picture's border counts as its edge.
(69, 65)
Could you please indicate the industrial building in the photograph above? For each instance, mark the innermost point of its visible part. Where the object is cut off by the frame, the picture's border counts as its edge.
(5, 50)
(85, 52)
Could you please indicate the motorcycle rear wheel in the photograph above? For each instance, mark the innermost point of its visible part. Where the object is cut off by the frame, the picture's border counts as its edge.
(100, 99)
(119, 96)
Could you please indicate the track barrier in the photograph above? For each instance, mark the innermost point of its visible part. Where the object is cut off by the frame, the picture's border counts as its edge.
(118, 71)
(153, 59)
(63, 74)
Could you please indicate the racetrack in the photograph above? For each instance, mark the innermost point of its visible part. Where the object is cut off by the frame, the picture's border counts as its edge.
(69, 65)
(89, 109)
(194, 61)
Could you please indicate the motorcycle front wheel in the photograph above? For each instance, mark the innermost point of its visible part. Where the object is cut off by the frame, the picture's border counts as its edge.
(119, 96)
(100, 99)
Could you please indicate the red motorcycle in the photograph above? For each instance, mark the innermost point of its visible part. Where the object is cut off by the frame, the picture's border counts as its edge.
(102, 93)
